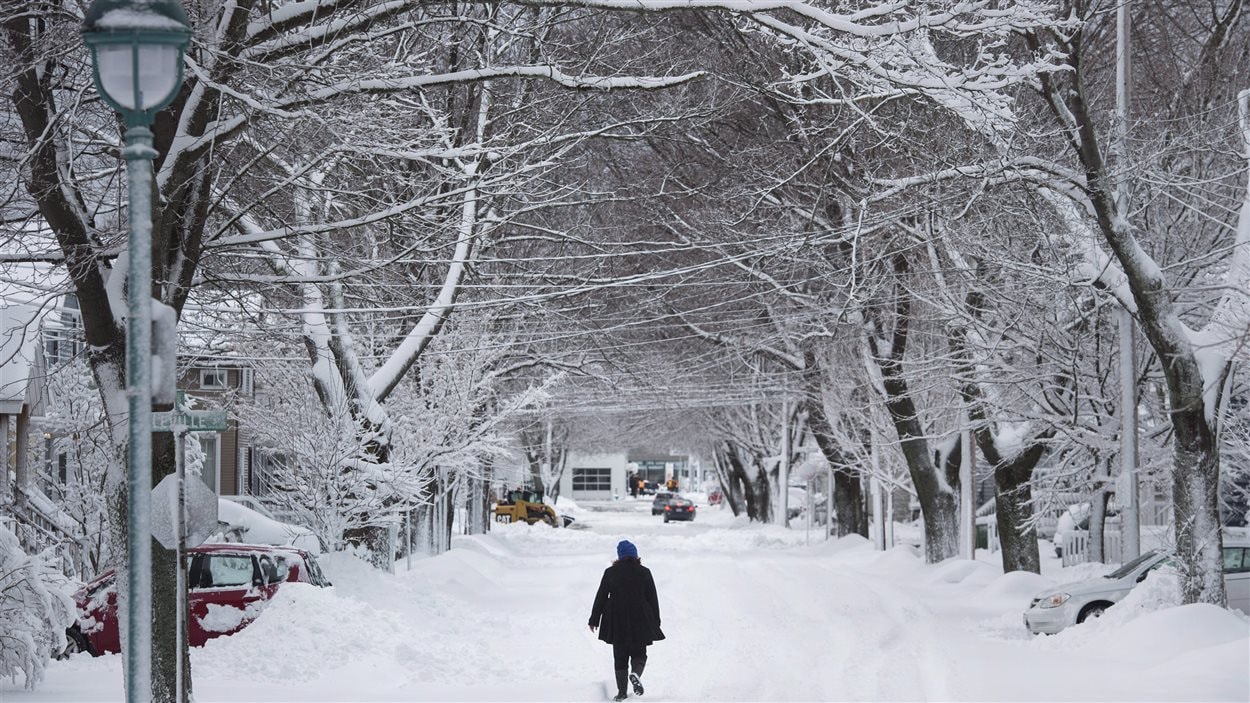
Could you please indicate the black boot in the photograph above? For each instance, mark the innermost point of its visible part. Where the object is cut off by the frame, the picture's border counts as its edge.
(620, 684)
(640, 663)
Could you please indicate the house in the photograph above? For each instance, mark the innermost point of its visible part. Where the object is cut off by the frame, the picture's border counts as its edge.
(215, 383)
(34, 344)
(23, 393)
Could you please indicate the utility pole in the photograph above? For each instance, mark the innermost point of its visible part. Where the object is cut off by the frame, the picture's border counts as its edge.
(1128, 497)
(828, 499)
(784, 488)
(967, 512)
(878, 504)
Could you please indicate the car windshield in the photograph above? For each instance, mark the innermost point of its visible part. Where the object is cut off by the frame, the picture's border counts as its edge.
(1132, 565)
(314, 571)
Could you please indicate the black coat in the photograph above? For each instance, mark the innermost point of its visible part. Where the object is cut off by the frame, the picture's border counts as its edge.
(626, 609)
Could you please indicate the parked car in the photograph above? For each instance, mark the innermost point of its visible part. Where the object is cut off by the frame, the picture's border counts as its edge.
(661, 499)
(1073, 603)
(678, 508)
(228, 585)
(650, 488)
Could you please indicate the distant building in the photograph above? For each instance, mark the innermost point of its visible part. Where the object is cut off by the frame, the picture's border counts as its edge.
(602, 476)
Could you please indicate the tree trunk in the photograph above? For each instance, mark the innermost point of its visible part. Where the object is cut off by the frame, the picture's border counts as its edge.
(449, 518)
(848, 493)
(763, 501)
(1013, 497)
(939, 503)
(1195, 500)
(1195, 454)
(165, 645)
(755, 491)
(1098, 517)
(728, 483)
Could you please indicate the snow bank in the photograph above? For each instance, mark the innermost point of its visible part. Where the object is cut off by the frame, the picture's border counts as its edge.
(904, 557)
(1017, 586)
(962, 571)
(502, 617)
(843, 544)
(1170, 632)
(306, 632)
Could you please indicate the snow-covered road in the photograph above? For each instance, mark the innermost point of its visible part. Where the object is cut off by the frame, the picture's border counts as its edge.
(751, 613)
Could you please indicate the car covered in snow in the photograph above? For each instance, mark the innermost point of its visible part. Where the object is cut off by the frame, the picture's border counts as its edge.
(1073, 603)
(228, 586)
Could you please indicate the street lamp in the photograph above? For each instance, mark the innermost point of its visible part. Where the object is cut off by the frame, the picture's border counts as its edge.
(136, 53)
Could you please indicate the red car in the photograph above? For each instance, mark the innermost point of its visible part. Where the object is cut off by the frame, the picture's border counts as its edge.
(228, 587)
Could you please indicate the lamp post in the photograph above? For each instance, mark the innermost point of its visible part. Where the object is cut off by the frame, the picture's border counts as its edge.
(136, 54)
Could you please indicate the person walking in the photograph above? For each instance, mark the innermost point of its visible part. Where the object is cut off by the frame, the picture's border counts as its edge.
(627, 615)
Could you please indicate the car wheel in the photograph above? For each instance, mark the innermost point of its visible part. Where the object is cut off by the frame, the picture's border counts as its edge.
(1091, 611)
(75, 642)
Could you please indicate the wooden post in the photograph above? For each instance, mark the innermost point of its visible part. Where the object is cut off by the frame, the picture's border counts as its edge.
(5, 489)
(23, 448)
(967, 511)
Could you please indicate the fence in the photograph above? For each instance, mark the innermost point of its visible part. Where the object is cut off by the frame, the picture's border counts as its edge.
(1076, 546)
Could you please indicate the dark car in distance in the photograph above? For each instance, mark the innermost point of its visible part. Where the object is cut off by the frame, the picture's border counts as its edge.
(661, 499)
(228, 586)
(678, 508)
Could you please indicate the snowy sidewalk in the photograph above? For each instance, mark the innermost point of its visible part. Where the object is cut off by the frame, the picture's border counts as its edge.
(751, 614)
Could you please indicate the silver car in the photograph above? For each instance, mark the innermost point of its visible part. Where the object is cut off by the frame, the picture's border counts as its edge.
(1072, 603)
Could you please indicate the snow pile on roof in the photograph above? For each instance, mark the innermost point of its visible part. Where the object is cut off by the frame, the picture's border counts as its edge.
(133, 19)
(265, 530)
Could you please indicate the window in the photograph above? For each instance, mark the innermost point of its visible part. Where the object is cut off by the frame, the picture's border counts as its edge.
(208, 472)
(1235, 560)
(592, 479)
(228, 570)
(213, 379)
(62, 467)
(271, 571)
(264, 471)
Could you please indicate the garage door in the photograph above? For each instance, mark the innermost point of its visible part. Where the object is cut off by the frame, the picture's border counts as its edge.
(592, 483)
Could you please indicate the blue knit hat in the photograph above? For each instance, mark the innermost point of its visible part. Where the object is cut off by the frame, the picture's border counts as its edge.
(626, 550)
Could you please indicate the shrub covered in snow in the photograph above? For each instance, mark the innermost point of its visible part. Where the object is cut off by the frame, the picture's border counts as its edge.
(34, 611)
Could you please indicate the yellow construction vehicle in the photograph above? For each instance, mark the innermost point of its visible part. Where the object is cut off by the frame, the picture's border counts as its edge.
(525, 505)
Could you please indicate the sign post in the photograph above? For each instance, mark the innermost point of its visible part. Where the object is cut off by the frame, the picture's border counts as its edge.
(184, 522)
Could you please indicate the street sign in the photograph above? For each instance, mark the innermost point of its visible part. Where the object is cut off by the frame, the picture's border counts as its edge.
(194, 420)
(201, 511)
